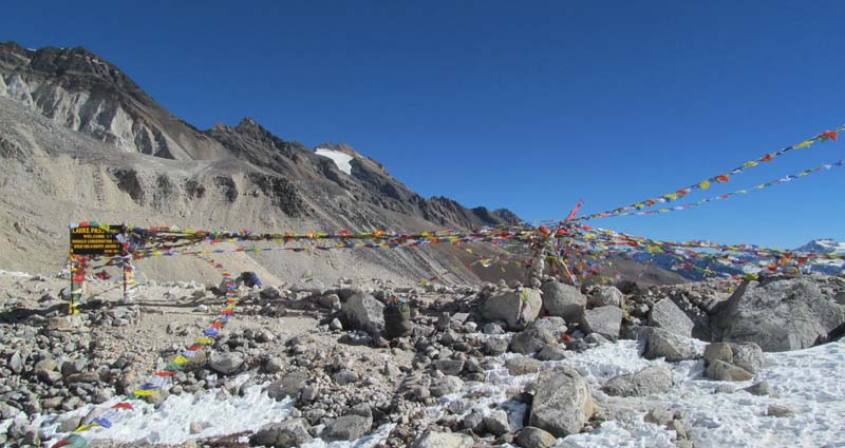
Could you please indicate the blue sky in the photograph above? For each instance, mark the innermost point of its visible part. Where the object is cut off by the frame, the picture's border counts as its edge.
(527, 106)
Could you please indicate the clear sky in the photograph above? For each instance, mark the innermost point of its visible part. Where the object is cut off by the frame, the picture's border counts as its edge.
(524, 105)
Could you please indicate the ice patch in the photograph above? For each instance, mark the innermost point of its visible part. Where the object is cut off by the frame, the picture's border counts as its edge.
(341, 159)
(220, 412)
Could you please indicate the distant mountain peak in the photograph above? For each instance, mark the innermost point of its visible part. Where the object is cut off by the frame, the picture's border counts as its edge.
(824, 245)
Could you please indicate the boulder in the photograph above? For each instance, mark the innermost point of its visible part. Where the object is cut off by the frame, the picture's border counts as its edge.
(531, 437)
(779, 315)
(666, 315)
(288, 385)
(554, 324)
(656, 343)
(748, 355)
(776, 410)
(521, 365)
(449, 366)
(564, 301)
(226, 363)
(604, 320)
(720, 351)
(721, 371)
(449, 384)
(287, 434)
(444, 440)
(606, 296)
(551, 353)
(531, 340)
(496, 422)
(516, 308)
(651, 380)
(761, 388)
(562, 403)
(330, 301)
(351, 426)
(15, 362)
(363, 312)
(495, 346)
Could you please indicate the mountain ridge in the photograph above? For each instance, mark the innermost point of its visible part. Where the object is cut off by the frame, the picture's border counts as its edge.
(124, 158)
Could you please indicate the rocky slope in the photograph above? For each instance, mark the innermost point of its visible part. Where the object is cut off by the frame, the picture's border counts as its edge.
(299, 365)
(80, 140)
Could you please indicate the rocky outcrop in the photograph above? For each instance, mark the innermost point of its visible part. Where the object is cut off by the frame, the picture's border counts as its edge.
(562, 403)
(778, 315)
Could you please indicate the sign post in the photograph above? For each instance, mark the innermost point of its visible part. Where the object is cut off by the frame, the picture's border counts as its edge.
(89, 241)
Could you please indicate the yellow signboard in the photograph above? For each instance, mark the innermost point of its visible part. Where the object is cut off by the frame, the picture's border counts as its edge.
(95, 240)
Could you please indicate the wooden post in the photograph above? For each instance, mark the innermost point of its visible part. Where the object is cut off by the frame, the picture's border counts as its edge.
(77, 282)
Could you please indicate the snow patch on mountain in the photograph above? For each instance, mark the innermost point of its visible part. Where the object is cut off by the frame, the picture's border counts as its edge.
(824, 245)
(341, 159)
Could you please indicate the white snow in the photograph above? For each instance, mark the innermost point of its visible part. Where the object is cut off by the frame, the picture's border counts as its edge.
(170, 424)
(809, 382)
(341, 159)
(14, 273)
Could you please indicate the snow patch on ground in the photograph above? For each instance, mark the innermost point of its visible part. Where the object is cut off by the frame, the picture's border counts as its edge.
(341, 159)
(809, 382)
(221, 412)
(14, 274)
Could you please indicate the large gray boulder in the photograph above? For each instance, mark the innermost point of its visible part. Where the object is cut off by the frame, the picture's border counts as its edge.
(651, 380)
(555, 324)
(363, 312)
(564, 301)
(666, 315)
(562, 403)
(531, 340)
(748, 355)
(779, 315)
(226, 363)
(606, 296)
(443, 440)
(604, 320)
(287, 434)
(351, 426)
(657, 343)
(517, 308)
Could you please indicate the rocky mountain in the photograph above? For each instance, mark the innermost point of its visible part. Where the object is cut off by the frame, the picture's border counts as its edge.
(80, 140)
(824, 245)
